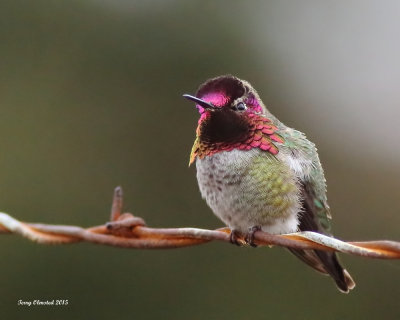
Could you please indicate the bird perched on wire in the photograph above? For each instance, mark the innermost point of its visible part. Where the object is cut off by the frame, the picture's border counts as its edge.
(255, 173)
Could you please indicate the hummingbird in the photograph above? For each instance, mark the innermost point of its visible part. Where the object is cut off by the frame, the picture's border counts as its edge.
(255, 173)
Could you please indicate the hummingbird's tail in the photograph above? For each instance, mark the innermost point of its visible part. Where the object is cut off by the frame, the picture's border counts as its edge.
(322, 261)
(327, 263)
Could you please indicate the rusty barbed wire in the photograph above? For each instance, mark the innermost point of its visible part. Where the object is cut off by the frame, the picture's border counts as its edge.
(128, 231)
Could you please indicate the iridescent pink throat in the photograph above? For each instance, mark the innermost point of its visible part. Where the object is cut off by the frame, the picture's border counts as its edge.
(262, 134)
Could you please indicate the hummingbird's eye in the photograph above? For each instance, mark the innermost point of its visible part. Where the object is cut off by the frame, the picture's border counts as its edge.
(240, 106)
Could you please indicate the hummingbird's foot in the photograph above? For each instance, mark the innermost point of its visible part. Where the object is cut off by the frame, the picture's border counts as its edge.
(250, 236)
(234, 238)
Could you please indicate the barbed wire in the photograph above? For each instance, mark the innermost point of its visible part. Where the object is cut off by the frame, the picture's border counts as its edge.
(129, 231)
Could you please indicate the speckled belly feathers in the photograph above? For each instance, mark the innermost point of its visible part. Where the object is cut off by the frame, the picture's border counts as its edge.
(250, 188)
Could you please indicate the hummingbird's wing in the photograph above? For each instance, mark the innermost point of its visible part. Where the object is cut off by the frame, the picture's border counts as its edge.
(315, 215)
(302, 157)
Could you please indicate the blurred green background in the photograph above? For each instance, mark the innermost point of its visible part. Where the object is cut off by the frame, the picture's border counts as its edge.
(90, 95)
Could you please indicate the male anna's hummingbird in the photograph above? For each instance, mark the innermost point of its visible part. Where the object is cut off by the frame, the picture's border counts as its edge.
(257, 174)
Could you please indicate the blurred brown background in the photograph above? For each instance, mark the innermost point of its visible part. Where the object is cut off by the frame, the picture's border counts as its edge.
(90, 97)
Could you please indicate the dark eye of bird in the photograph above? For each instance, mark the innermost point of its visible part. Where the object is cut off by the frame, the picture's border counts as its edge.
(240, 107)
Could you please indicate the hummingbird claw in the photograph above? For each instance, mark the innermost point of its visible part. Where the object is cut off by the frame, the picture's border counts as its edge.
(234, 238)
(250, 236)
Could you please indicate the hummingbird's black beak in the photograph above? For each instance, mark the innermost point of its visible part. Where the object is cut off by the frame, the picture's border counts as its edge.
(202, 103)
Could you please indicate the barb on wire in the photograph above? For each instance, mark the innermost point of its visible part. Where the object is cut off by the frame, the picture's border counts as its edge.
(128, 231)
